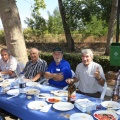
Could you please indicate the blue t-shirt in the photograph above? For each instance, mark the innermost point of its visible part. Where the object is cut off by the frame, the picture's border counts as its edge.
(64, 68)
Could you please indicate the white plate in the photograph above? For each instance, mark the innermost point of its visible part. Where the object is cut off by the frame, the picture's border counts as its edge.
(60, 93)
(53, 99)
(81, 116)
(10, 80)
(111, 104)
(43, 95)
(118, 112)
(106, 112)
(13, 92)
(36, 105)
(63, 106)
(32, 84)
(32, 91)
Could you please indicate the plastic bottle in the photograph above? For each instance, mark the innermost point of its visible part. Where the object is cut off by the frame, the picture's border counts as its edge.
(22, 84)
(71, 93)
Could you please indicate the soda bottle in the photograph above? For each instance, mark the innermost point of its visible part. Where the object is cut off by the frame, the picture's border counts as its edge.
(71, 93)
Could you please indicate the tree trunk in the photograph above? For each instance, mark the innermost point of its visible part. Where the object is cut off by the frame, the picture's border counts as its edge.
(13, 30)
(111, 26)
(69, 39)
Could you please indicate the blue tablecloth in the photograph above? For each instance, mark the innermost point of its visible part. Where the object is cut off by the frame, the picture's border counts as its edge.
(18, 107)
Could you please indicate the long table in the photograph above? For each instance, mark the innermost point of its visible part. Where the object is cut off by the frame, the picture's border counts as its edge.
(18, 107)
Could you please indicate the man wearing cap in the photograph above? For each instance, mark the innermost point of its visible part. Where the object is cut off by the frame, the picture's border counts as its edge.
(58, 70)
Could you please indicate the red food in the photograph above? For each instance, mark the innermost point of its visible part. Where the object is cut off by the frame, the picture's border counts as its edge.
(104, 117)
(53, 100)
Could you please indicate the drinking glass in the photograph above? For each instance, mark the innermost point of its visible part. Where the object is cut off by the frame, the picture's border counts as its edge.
(98, 103)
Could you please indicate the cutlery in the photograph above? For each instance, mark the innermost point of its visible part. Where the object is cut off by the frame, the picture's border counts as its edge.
(12, 96)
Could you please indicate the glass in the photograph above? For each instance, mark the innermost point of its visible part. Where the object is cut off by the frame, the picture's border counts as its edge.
(98, 103)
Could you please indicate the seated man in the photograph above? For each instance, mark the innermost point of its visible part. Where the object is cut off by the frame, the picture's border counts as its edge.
(116, 90)
(35, 67)
(59, 70)
(8, 63)
(89, 74)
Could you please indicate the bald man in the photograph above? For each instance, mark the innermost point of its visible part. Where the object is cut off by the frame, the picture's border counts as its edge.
(35, 67)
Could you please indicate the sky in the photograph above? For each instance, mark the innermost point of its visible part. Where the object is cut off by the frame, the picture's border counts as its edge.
(24, 8)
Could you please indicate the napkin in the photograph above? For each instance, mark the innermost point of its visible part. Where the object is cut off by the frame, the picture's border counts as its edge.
(46, 108)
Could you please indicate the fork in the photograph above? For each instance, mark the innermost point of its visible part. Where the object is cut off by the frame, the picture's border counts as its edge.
(12, 96)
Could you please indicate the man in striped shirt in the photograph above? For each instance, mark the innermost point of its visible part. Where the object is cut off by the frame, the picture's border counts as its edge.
(35, 67)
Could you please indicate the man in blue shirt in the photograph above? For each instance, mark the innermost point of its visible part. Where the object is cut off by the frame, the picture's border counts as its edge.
(58, 70)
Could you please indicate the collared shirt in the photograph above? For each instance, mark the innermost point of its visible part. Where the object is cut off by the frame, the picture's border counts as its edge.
(32, 69)
(64, 68)
(87, 81)
(116, 90)
(11, 64)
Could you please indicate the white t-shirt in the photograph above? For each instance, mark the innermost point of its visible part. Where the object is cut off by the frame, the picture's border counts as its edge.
(11, 64)
(87, 81)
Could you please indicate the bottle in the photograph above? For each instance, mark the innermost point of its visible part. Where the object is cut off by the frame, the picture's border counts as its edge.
(22, 84)
(71, 93)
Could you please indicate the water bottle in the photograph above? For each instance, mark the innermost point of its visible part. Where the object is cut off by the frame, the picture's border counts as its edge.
(22, 85)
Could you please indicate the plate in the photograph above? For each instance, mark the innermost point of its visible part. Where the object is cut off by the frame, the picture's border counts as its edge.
(118, 112)
(10, 80)
(106, 113)
(111, 104)
(43, 95)
(36, 105)
(81, 116)
(13, 92)
(63, 106)
(60, 93)
(32, 91)
(32, 84)
(53, 99)
(5, 83)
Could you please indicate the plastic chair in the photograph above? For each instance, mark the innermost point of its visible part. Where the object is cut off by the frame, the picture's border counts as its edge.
(20, 67)
(43, 81)
(104, 91)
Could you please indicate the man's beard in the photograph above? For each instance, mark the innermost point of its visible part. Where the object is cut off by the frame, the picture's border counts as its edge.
(57, 60)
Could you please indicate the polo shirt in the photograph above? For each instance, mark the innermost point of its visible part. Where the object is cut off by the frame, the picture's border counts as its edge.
(64, 68)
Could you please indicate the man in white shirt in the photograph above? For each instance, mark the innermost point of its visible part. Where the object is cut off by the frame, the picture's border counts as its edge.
(8, 63)
(89, 74)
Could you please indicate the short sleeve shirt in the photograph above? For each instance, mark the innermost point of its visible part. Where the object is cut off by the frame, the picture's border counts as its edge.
(32, 69)
(64, 68)
(11, 64)
(87, 81)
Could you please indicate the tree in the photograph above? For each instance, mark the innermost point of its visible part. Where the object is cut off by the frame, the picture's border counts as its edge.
(13, 30)
(111, 26)
(69, 39)
(55, 22)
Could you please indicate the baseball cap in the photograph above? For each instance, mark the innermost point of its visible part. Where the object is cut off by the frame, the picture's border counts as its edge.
(57, 49)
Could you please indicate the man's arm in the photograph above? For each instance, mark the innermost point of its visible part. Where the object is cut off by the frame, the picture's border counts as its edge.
(54, 76)
(8, 72)
(37, 76)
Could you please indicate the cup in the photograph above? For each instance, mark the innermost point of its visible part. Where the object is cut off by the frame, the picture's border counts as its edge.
(98, 103)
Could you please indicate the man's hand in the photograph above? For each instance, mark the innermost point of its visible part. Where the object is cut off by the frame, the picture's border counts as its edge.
(97, 74)
(69, 80)
(58, 77)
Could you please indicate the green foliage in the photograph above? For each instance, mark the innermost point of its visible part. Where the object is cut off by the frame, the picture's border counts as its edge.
(2, 37)
(80, 12)
(54, 22)
(96, 27)
(74, 59)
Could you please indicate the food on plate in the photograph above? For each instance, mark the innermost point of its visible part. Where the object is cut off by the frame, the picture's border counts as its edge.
(53, 100)
(103, 116)
(32, 91)
(60, 93)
